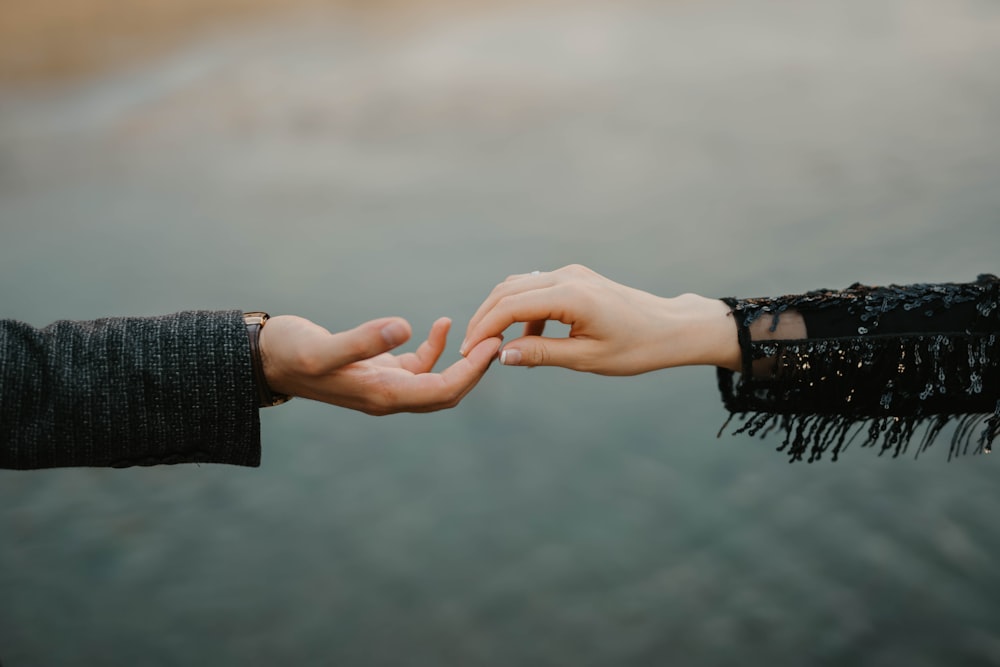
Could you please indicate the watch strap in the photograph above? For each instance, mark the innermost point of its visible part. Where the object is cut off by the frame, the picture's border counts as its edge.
(265, 397)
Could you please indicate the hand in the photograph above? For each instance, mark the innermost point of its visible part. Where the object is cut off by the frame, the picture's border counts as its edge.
(354, 369)
(614, 329)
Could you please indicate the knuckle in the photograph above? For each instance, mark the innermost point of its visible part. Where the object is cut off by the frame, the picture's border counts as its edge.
(498, 291)
(537, 356)
(578, 292)
(505, 303)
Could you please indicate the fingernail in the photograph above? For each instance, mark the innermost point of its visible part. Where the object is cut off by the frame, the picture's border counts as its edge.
(464, 347)
(393, 333)
(510, 357)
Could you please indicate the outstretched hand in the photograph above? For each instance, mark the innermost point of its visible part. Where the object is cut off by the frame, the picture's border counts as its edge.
(355, 369)
(614, 329)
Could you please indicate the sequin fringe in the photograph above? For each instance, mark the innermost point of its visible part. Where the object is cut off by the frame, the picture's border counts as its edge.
(817, 435)
(880, 387)
(886, 391)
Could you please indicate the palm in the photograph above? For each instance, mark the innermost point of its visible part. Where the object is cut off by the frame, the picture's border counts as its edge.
(408, 363)
(384, 382)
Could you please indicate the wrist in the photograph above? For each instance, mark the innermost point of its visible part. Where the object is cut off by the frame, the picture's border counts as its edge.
(706, 332)
(268, 394)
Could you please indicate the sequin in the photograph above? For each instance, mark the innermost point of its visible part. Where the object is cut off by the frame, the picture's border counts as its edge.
(823, 393)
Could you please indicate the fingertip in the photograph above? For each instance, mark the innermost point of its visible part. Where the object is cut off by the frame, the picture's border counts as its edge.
(485, 350)
(442, 325)
(510, 357)
(441, 322)
(396, 331)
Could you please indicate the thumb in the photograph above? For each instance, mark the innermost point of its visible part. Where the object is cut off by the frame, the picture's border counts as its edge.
(541, 351)
(366, 340)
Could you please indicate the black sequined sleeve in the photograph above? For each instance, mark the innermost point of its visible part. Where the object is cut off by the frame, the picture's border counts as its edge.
(883, 365)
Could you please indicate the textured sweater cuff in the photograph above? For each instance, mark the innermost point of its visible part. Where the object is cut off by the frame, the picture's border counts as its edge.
(129, 391)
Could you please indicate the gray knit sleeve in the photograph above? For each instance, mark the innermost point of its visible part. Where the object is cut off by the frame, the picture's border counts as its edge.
(128, 391)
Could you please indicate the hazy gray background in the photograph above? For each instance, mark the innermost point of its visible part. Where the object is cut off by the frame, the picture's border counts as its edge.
(343, 166)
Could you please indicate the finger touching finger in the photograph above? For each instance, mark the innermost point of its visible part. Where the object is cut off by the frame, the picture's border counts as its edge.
(534, 306)
(517, 284)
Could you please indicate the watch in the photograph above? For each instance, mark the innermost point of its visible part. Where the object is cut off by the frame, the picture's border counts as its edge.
(265, 397)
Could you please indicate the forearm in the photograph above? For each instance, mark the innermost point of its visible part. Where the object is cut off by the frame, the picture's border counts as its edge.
(128, 391)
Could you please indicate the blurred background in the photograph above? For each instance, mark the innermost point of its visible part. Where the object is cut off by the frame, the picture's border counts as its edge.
(349, 160)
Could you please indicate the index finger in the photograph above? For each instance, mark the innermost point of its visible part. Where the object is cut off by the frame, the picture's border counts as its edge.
(423, 360)
(516, 284)
(534, 306)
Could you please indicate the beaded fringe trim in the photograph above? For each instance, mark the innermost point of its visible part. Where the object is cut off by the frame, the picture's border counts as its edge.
(886, 392)
(817, 435)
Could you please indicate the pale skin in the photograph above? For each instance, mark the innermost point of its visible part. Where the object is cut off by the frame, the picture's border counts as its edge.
(355, 369)
(614, 329)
